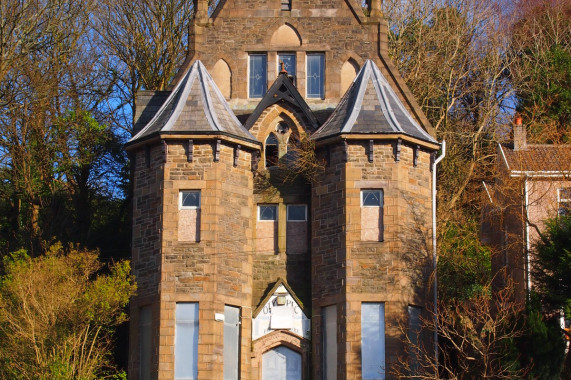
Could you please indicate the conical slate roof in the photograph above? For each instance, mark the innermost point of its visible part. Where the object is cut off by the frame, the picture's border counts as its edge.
(371, 106)
(195, 106)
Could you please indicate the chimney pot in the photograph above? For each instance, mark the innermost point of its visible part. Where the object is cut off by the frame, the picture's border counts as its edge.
(520, 142)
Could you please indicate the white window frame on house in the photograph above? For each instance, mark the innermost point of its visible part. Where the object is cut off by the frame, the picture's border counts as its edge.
(564, 201)
(290, 217)
(183, 196)
(264, 75)
(373, 341)
(186, 341)
(310, 92)
(262, 206)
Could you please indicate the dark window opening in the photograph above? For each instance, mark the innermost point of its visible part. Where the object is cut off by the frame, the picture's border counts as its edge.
(271, 151)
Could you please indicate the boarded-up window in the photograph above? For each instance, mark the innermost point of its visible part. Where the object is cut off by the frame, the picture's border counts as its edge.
(186, 341)
(267, 229)
(373, 340)
(231, 342)
(349, 71)
(145, 342)
(223, 78)
(189, 216)
(296, 229)
(372, 203)
(330, 342)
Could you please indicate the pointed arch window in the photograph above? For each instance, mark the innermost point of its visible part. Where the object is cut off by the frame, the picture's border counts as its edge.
(271, 150)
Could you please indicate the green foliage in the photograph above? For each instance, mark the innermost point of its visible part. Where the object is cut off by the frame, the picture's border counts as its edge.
(58, 312)
(542, 345)
(552, 265)
(464, 265)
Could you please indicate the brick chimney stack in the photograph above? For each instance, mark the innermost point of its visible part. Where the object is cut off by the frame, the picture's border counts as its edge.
(520, 142)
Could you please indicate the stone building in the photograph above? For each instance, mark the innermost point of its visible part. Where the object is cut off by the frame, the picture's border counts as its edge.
(282, 199)
(533, 184)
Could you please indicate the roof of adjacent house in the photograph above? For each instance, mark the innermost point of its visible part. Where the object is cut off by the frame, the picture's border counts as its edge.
(195, 106)
(537, 159)
(371, 106)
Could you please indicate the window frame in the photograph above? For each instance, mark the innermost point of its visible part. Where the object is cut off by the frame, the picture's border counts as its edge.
(264, 76)
(381, 197)
(296, 205)
(180, 200)
(329, 369)
(275, 156)
(186, 361)
(274, 205)
(287, 53)
(377, 359)
(321, 94)
(226, 354)
(562, 210)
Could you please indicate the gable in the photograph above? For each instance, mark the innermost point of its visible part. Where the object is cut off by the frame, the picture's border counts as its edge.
(280, 310)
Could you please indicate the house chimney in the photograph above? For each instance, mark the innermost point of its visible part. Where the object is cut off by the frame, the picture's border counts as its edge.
(520, 142)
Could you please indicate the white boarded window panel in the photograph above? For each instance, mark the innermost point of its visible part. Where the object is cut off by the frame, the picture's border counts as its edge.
(373, 341)
(186, 342)
(330, 342)
(231, 342)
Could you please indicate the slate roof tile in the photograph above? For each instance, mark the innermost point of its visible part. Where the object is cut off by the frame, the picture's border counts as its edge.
(196, 105)
(371, 106)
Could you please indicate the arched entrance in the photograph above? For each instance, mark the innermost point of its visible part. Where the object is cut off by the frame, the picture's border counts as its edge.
(281, 363)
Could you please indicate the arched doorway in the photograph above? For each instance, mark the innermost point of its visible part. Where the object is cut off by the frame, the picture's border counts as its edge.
(281, 363)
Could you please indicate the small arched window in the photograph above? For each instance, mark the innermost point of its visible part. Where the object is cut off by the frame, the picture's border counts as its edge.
(271, 150)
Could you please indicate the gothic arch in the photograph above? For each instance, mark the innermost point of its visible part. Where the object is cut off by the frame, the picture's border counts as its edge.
(286, 36)
(281, 338)
(349, 71)
(222, 76)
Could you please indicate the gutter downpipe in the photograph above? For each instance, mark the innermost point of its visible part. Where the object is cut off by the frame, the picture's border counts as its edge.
(434, 250)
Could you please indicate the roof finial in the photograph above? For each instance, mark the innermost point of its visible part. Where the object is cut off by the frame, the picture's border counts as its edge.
(283, 70)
